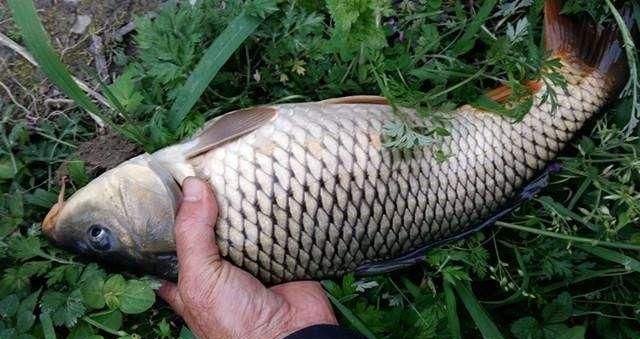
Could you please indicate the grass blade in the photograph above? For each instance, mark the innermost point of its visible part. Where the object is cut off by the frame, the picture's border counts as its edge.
(478, 314)
(549, 203)
(213, 59)
(575, 239)
(452, 312)
(613, 256)
(38, 43)
(352, 318)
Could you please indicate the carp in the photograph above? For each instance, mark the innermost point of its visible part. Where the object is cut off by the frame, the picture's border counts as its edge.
(309, 191)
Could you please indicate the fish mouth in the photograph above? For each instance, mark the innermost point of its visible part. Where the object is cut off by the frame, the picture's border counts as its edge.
(50, 220)
(166, 266)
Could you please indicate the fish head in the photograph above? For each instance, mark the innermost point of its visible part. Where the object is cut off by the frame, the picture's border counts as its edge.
(125, 216)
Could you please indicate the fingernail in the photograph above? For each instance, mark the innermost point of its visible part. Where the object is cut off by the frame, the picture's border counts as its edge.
(191, 189)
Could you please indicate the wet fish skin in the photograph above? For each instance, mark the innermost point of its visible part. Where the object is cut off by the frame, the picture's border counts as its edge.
(315, 194)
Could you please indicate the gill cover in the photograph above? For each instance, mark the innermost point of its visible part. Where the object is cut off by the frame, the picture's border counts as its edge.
(136, 201)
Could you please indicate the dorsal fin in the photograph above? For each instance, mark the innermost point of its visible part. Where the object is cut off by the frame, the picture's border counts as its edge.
(358, 99)
(230, 126)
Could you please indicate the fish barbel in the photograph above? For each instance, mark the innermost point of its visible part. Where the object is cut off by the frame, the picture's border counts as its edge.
(308, 190)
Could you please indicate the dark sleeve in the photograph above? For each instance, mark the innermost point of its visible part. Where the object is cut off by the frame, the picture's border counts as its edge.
(325, 332)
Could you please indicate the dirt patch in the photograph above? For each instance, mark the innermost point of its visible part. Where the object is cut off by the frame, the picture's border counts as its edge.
(27, 84)
(102, 153)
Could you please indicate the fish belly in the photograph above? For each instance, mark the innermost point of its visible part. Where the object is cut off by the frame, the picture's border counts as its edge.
(315, 193)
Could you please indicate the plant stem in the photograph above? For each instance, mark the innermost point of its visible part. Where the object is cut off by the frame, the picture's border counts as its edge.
(57, 140)
(103, 327)
(43, 254)
(594, 242)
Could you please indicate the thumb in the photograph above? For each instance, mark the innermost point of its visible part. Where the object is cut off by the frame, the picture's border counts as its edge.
(194, 233)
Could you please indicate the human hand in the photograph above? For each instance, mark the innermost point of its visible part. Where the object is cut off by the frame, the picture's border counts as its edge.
(219, 300)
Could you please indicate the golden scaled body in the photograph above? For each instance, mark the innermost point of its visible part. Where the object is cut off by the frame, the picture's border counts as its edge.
(308, 191)
(314, 193)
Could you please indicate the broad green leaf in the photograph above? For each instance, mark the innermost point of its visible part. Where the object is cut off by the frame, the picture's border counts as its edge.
(92, 286)
(8, 226)
(47, 326)
(41, 198)
(468, 39)
(163, 329)
(38, 43)
(24, 316)
(51, 301)
(131, 297)
(123, 93)
(83, 331)
(138, 297)
(15, 203)
(526, 328)
(9, 305)
(19, 134)
(78, 173)
(74, 308)
(8, 333)
(113, 289)
(13, 280)
(577, 332)
(185, 333)
(72, 274)
(24, 248)
(213, 59)
(65, 309)
(55, 275)
(554, 330)
(8, 168)
(478, 314)
(559, 310)
(92, 292)
(112, 320)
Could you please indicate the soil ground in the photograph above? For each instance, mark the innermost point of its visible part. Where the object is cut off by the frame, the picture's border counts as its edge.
(109, 20)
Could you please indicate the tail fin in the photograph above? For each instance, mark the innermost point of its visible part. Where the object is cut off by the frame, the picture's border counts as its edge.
(600, 48)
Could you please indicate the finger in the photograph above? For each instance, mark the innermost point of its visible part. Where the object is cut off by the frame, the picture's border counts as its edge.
(195, 237)
(168, 291)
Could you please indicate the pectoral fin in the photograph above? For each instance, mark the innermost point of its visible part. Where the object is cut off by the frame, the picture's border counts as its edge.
(229, 127)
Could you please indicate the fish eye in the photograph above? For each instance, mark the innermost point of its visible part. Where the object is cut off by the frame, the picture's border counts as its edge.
(99, 237)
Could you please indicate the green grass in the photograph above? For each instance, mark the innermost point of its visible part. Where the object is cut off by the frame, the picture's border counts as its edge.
(562, 265)
(213, 59)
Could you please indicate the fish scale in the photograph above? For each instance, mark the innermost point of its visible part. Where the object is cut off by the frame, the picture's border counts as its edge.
(314, 193)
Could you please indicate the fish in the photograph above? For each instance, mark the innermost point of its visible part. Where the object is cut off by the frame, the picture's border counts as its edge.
(310, 191)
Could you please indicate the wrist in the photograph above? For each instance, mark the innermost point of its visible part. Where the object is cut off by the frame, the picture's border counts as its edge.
(288, 321)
